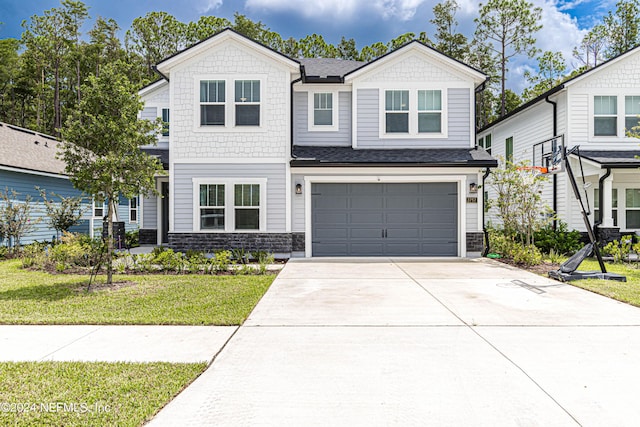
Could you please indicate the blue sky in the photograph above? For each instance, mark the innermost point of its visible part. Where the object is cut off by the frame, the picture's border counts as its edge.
(367, 21)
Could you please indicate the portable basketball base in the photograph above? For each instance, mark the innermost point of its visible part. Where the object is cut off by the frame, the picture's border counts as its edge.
(569, 269)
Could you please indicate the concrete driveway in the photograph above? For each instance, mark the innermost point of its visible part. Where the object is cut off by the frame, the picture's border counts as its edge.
(447, 343)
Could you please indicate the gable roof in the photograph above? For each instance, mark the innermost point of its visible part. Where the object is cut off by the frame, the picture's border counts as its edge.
(563, 85)
(28, 150)
(477, 75)
(228, 33)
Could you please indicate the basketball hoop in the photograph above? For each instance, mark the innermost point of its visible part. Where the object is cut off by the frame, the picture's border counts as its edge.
(540, 169)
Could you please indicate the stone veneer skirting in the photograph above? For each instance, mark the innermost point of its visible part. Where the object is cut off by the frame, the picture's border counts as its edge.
(271, 242)
(475, 241)
(148, 236)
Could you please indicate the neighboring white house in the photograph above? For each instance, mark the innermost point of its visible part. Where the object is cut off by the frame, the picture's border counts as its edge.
(593, 111)
(316, 157)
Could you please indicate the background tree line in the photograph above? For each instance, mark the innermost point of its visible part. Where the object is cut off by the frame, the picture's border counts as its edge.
(41, 73)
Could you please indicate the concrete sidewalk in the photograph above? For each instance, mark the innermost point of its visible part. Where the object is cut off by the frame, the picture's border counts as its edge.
(177, 344)
(389, 342)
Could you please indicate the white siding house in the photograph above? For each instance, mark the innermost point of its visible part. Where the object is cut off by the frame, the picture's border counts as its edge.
(593, 111)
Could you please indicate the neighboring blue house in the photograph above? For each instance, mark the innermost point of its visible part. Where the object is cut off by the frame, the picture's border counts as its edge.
(28, 160)
(316, 157)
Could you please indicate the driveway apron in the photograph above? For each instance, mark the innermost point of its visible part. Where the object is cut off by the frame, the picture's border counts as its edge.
(361, 342)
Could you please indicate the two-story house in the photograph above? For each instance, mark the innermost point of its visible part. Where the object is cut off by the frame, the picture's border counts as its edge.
(595, 111)
(316, 157)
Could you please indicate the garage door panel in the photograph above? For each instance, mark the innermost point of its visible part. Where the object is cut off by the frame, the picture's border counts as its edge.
(366, 233)
(391, 219)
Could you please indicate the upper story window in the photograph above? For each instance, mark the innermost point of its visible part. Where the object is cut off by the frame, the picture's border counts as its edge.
(99, 208)
(165, 122)
(429, 111)
(212, 102)
(508, 149)
(247, 99)
(485, 142)
(397, 111)
(631, 113)
(322, 109)
(605, 115)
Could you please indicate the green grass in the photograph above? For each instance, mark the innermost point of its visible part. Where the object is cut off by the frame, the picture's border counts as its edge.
(95, 394)
(628, 291)
(31, 297)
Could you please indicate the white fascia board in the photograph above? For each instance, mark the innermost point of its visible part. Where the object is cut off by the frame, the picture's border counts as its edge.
(152, 87)
(34, 172)
(317, 87)
(455, 66)
(191, 52)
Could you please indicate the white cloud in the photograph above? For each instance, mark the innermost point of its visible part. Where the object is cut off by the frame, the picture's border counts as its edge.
(341, 9)
(560, 32)
(209, 5)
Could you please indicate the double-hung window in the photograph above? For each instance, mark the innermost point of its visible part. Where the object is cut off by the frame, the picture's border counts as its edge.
(247, 102)
(397, 111)
(133, 209)
(487, 143)
(247, 206)
(631, 113)
(429, 111)
(605, 115)
(212, 206)
(323, 109)
(98, 209)
(165, 122)
(508, 149)
(212, 102)
(632, 207)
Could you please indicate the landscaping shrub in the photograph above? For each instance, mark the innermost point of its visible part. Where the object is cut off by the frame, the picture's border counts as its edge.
(619, 250)
(4, 252)
(526, 254)
(132, 238)
(561, 240)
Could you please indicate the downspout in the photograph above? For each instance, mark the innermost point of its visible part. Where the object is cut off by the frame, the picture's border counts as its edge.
(555, 176)
(597, 223)
(299, 79)
(154, 68)
(484, 228)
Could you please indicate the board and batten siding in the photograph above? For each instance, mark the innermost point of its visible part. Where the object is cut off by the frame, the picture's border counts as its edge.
(183, 173)
(458, 122)
(24, 184)
(339, 138)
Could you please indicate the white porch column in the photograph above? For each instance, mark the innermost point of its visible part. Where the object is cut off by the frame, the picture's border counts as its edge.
(607, 202)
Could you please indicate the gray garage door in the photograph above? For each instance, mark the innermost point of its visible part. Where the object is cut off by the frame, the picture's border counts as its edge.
(409, 219)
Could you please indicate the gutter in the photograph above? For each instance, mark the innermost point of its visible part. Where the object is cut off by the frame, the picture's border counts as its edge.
(597, 223)
(155, 68)
(484, 227)
(555, 176)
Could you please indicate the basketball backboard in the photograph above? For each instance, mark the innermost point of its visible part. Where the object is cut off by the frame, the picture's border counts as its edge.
(549, 155)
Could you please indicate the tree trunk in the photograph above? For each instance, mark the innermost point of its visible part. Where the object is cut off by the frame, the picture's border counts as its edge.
(503, 96)
(110, 240)
(56, 101)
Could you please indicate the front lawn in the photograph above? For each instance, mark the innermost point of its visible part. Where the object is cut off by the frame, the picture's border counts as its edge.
(32, 297)
(628, 291)
(88, 394)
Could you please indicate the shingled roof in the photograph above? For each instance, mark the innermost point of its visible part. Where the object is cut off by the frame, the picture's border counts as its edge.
(430, 157)
(613, 159)
(25, 149)
(325, 67)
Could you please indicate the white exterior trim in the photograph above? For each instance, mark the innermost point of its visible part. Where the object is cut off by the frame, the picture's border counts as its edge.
(461, 181)
(232, 160)
(229, 223)
(311, 126)
(32, 172)
(159, 219)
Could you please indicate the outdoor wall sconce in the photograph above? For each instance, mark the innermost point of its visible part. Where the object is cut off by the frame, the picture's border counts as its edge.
(473, 187)
(298, 188)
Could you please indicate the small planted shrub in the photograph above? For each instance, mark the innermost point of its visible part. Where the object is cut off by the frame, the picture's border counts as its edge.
(560, 240)
(619, 250)
(526, 255)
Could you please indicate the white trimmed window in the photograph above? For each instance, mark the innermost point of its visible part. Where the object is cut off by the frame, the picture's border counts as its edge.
(212, 102)
(165, 122)
(247, 102)
(99, 209)
(605, 115)
(631, 113)
(212, 207)
(133, 209)
(223, 204)
(396, 111)
(247, 206)
(323, 111)
(632, 213)
(429, 111)
(487, 143)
